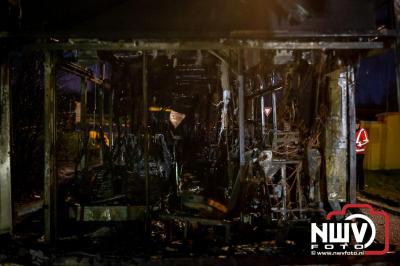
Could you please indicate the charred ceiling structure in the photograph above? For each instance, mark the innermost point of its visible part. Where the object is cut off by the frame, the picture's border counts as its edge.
(230, 118)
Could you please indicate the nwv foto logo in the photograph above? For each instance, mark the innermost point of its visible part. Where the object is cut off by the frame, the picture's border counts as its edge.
(355, 232)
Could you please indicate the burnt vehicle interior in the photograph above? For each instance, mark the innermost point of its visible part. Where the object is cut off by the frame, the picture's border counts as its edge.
(176, 140)
(141, 128)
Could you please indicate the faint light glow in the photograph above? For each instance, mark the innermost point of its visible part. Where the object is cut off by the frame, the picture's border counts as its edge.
(159, 109)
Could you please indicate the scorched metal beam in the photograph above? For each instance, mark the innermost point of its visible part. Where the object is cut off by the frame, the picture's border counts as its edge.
(221, 44)
(146, 141)
(241, 109)
(50, 177)
(5, 160)
(351, 102)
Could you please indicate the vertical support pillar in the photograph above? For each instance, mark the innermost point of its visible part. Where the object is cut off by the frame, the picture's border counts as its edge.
(226, 98)
(336, 139)
(111, 117)
(252, 117)
(397, 58)
(5, 157)
(396, 24)
(50, 178)
(146, 141)
(299, 188)
(262, 100)
(241, 109)
(101, 113)
(262, 112)
(352, 194)
(83, 125)
(284, 191)
(274, 119)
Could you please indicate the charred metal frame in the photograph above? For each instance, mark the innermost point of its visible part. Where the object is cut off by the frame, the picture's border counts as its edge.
(283, 209)
(217, 45)
(5, 151)
(139, 45)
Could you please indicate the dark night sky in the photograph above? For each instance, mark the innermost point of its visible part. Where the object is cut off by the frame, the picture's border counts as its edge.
(376, 82)
(67, 82)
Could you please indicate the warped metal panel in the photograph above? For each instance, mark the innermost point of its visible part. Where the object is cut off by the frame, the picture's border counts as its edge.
(336, 136)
